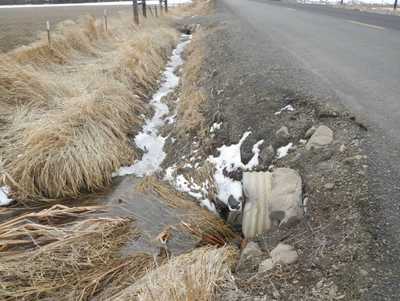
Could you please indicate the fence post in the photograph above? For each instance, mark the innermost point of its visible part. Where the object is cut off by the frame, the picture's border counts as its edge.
(161, 7)
(48, 33)
(144, 8)
(135, 12)
(155, 11)
(166, 6)
(151, 11)
(395, 5)
(105, 20)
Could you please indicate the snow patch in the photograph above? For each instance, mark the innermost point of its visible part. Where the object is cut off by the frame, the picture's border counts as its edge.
(149, 139)
(215, 127)
(283, 151)
(4, 199)
(229, 159)
(288, 108)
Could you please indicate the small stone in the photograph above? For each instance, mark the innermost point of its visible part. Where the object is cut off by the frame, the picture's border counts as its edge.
(363, 272)
(342, 148)
(329, 186)
(319, 284)
(233, 203)
(310, 132)
(266, 265)
(283, 132)
(284, 253)
(266, 156)
(250, 258)
(323, 136)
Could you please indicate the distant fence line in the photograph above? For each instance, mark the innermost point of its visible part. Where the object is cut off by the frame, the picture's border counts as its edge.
(19, 2)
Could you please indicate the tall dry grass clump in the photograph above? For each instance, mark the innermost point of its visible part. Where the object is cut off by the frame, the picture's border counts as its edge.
(55, 254)
(188, 277)
(70, 110)
(190, 117)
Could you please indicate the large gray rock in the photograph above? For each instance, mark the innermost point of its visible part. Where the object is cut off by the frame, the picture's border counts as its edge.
(323, 136)
(283, 132)
(272, 198)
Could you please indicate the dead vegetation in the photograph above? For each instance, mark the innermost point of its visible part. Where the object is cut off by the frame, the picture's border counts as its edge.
(69, 110)
(45, 254)
(190, 117)
(192, 276)
(205, 226)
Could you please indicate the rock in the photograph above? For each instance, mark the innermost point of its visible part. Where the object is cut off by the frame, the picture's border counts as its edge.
(283, 132)
(323, 136)
(233, 203)
(250, 258)
(282, 136)
(272, 198)
(329, 186)
(327, 111)
(266, 265)
(267, 154)
(310, 132)
(342, 148)
(284, 253)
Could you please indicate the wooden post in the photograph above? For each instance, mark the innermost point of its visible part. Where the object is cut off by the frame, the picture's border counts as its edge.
(161, 7)
(155, 11)
(105, 20)
(166, 6)
(135, 12)
(395, 5)
(144, 8)
(48, 33)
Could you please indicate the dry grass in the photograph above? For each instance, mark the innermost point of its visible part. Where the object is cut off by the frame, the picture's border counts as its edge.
(190, 117)
(208, 228)
(69, 111)
(45, 254)
(192, 276)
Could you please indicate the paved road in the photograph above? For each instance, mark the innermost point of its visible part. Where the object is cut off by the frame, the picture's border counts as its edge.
(351, 57)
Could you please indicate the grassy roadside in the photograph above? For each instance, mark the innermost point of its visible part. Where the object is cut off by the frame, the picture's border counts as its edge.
(69, 110)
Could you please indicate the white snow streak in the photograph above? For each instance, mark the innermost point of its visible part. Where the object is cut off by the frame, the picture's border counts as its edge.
(4, 199)
(283, 151)
(288, 108)
(149, 140)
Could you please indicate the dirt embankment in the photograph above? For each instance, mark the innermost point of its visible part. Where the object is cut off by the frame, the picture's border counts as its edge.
(245, 93)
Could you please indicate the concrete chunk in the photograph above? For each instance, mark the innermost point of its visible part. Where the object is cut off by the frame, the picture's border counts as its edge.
(272, 198)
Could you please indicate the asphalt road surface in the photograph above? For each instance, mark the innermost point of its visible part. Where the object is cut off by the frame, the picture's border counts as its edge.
(352, 58)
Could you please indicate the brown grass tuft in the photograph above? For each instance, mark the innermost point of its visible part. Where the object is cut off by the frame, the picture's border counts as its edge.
(192, 276)
(46, 256)
(70, 110)
(208, 228)
(190, 117)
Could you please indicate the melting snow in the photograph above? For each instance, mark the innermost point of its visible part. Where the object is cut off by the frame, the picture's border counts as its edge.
(215, 127)
(150, 140)
(4, 199)
(229, 159)
(288, 108)
(283, 151)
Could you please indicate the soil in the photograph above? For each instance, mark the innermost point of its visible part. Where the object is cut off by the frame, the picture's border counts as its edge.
(244, 92)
